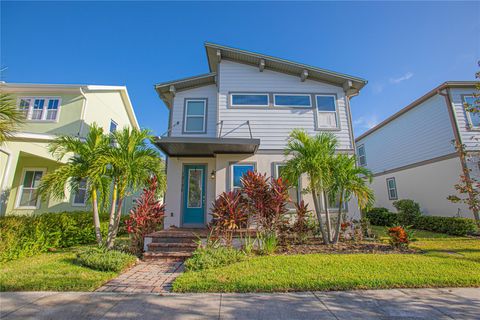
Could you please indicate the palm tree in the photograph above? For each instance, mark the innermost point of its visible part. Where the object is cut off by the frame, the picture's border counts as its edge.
(10, 116)
(311, 155)
(130, 162)
(348, 180)
(84, 155)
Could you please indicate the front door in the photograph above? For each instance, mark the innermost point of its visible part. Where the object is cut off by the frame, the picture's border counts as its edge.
(194, 194)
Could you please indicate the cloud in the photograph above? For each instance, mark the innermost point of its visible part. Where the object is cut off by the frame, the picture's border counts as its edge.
(406, 76)
(366, 122)
(377, 88)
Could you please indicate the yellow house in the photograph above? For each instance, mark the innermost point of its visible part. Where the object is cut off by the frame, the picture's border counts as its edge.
(53, 109)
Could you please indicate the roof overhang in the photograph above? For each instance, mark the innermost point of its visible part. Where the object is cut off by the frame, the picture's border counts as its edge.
(205, 147)
(216, 53)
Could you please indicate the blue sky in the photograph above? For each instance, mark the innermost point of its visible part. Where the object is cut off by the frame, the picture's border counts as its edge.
(402, 49)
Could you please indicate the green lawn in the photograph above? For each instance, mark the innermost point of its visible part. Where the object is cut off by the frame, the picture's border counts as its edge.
(52, 271)
(447, 261)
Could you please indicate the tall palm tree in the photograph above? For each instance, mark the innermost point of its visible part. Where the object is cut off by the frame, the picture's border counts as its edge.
(348, 180)
(131, 162)
(311, 155)
(10, 117)
(84, 155)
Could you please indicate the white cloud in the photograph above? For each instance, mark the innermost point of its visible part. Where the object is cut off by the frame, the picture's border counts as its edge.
(377, 88)
(366, 122)
(406, 76)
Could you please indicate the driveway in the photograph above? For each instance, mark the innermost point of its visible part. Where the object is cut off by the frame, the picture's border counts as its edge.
(455, 303)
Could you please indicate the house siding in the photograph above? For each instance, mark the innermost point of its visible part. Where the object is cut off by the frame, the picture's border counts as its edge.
(470, 137)
(207, 92)
(273, 124)
(423, 133)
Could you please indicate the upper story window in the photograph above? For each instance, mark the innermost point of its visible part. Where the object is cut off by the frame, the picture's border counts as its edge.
(113, 126)
(249, 100)
(195, 116)
(40, 108)
(237, 172)
(362, 157)
(392, 189)
(473, 117)
(326, 111)
(292, 100)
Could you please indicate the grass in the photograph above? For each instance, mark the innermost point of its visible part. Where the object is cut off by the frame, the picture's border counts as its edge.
(52, 271)
(446, 261)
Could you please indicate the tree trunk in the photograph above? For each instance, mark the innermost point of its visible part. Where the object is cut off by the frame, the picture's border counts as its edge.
(327, 217)
(339, 219)
(319, 215)
(96, 218)
(111, 222)
(117, 222)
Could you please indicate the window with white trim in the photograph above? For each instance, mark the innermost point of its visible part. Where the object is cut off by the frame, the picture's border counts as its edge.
(334, 202)
(473, 117)
(362, 157)
(292, 100)
(249, 99)
(293, 192)
(40, 108)
(27, 194)
(80, 197)
(113, 126)
(326, 111)
(392, 189)
(236, 173)
(195, 116)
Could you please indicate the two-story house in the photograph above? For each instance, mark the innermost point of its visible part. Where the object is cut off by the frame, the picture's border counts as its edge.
(50, 110)
(237, 118)
(412, 153)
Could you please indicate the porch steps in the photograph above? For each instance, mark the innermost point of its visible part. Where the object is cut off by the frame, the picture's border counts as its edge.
(172, 244)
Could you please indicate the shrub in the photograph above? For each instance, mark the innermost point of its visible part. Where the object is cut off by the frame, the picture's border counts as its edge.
(23, 236)
(212, 257)
(408, 211)
(145, 217)
(302, 226)
(229, 214)
(449, 225)
(268, 243)
(105, 260)
(399, 237)
(382, 217)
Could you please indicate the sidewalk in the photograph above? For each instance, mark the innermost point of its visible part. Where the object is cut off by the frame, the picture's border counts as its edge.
(455, 303)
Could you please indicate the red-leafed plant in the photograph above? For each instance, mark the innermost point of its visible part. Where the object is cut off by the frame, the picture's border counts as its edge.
(399, 237)
(146, 217)
(301, 226)
(229, 214)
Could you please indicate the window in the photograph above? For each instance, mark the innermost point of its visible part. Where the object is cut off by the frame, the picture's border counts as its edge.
(474, 118)
(113, 126)
(392, 189)
(326, 111)
(195, 116)
(40, 108)
(293, 192)
(292, 100)
(249, 100)
(80, 198)
(237, 172)
(334, 202)
(27, 194)
(362, 158)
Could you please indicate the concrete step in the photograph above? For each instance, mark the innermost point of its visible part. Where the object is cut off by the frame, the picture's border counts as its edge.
(172, 247)
(176, 256)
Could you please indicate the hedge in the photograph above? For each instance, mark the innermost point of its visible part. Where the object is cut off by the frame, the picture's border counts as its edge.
(450, 225)
(23, 236)
(105, 260)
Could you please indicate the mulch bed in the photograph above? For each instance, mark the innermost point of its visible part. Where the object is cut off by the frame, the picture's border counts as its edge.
(317, 246)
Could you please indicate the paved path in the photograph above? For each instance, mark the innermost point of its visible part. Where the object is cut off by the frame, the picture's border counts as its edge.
(458, 303)
(146, 276)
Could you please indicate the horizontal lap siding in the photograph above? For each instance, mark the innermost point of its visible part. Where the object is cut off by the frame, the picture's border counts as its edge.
(272, 125)
(423, 133)
(469, 137)
(209, 92)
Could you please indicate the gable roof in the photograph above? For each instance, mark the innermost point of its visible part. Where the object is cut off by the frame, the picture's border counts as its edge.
(166, 90)
(428, 95)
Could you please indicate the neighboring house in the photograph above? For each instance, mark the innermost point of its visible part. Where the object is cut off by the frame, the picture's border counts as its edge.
(237, 118)
(52, 110)
(412, 153)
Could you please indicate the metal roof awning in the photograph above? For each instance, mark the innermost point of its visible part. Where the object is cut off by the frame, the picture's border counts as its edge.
(205, 147)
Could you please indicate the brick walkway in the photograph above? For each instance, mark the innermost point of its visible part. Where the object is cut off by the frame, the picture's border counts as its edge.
(147, 276)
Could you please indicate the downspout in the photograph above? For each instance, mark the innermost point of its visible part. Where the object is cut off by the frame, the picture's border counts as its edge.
(350, 123)
(5, 178)
(82, 115)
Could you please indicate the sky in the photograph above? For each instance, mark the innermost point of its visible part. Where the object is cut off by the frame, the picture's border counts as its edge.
(402, 49)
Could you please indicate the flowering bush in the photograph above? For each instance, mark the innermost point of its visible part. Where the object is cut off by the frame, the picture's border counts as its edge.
(146, 216)
(399, 237)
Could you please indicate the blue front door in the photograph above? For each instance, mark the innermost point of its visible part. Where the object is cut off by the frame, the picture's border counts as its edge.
(194, 194)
